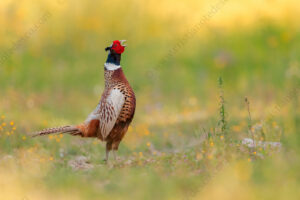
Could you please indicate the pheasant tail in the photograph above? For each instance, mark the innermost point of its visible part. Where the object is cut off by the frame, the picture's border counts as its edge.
(73, 130)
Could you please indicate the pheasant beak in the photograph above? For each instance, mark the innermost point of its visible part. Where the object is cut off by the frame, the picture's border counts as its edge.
(122, 43)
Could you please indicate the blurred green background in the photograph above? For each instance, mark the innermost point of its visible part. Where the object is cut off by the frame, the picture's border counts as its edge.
(51, 74)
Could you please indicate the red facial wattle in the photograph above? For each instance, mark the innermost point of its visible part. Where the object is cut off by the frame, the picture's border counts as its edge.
(117, 47)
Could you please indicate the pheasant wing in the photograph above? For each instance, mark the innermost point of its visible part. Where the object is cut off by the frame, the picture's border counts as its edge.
(109, 110)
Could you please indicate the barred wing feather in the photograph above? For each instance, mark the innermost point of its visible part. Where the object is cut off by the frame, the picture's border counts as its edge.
(109, 111)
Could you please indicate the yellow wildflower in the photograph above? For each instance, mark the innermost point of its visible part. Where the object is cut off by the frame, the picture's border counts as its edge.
(249, 159)
(57, 140)
(222, 137)
(148, 144)
(236, 128)
(95, 142)
(61, 135)
(50, 137)
(51, 158)
(12, 123)
(199, 156)
(23, 137)
(147, 132)
(14, 128)
(254, 152)
(2, 116)
(141, 154)
(3, 124)
(211, 144)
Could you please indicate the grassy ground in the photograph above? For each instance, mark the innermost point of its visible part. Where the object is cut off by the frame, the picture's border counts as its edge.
(186, 139)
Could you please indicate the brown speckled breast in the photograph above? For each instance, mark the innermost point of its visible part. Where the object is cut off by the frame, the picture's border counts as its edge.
(117, 80)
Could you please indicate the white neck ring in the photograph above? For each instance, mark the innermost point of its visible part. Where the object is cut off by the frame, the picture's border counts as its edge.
(111, 66)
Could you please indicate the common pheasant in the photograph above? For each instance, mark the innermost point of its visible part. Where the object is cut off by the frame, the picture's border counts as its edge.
(111, 118)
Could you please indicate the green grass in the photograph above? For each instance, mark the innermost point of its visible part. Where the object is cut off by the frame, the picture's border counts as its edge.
(175, 148)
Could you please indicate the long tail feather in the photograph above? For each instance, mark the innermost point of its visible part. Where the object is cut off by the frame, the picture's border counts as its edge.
(63, 129)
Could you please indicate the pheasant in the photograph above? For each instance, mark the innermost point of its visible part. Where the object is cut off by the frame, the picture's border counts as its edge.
(111, 118)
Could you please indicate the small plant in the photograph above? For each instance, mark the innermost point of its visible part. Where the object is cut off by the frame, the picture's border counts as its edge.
(222, 122)
(247, 102)
(6, 128)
